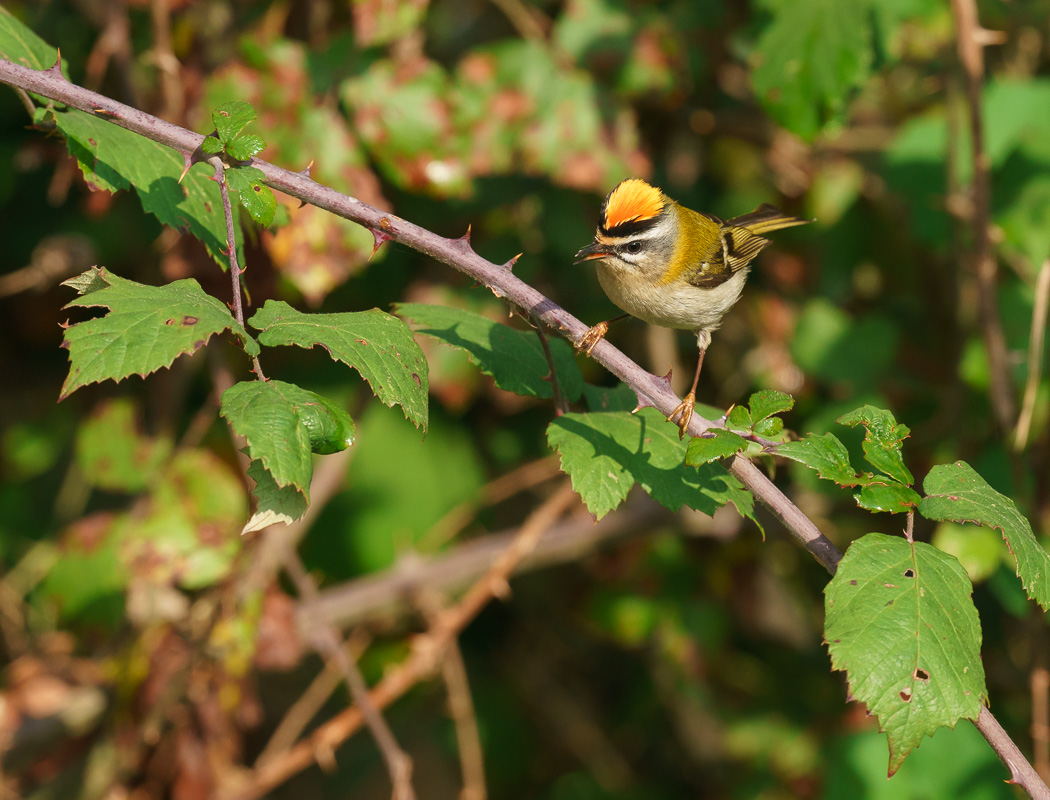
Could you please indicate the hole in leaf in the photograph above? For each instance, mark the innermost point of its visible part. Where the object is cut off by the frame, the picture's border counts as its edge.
(188, 320)
(906, 695)
(852, 583)
(169, 322)
(909, 573)
(921, 674)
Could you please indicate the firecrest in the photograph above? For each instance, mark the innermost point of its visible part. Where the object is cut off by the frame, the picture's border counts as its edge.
(672, 266)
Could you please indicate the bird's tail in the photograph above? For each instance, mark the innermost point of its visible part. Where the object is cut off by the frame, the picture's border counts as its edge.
(766, 218)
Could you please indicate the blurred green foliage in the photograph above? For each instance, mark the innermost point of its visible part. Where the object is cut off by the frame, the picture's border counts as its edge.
(684, 660)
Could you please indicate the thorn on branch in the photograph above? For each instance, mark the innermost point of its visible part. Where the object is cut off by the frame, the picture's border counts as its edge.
(56, 68)
(509, 266)
(305, 172)
(645, 402)
(381, 238)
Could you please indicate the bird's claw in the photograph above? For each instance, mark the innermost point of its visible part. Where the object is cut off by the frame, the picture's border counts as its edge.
(684, 412)
(591, 338)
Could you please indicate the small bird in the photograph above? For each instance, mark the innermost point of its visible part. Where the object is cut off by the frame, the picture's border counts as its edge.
(672, 266)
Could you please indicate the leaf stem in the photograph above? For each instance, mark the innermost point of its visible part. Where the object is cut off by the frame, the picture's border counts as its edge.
(231, 251)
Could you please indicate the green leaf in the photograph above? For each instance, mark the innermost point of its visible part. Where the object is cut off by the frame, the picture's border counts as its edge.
(715, 444)
(188, 534)
(147, 328)
(274, 503)
(605, 454)
(113, 453)
(278, 421)
(768, 402)
(22, 46)
(87, 582)
(824, 453)
(810, 59)
(330, 428)
(378, 345)
(883, 437)
(231, 118)
(617, 398)
(113, 158)
(956, 493)
(739, 418)
(245, 146)
(900, 622)
(773, 426)
(87, 282)
(889, 496)
(212, 146)
(514, 359)
(254, 195)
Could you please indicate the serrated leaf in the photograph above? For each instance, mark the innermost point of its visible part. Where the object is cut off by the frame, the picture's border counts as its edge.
(900, 622)
(889, 496)
(254, 195)
(231, 118)
(714, 445)
(274, 503)
(809, 59)
(605, 454)
(739, 418)
(956, 493)
(272, 417)
(378, 345)
(823, 453)
(86, 282)
(113, 158)
(768, 402)
(883, 437)
(513, 358)
(147, 328)
(245, 146)
(211, 146)
(772, 426)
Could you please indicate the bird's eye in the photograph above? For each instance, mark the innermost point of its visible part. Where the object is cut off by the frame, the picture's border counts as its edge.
(633, 247)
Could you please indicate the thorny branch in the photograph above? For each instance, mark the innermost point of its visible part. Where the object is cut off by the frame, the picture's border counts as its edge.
(652, 389)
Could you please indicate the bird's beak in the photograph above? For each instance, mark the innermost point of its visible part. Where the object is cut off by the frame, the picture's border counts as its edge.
(591, 252)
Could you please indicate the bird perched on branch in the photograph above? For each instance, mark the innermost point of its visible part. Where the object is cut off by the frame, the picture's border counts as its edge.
(672, 266)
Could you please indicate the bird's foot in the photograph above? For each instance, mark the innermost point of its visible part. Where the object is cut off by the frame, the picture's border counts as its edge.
(684, 412)
(593, 335)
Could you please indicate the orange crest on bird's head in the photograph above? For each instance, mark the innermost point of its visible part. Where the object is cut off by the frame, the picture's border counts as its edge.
(633, 200)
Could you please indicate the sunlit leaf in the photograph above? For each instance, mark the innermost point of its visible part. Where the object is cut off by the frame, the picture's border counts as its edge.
(900, 622)
(955, 492)
(605, 454)
(147, 328)
(379, 346)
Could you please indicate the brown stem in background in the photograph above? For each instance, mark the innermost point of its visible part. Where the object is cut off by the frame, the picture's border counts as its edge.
(326, 640)
(972, 38)
(1036, 341)
(425, 657)
(468, 741)
(1039, 684)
